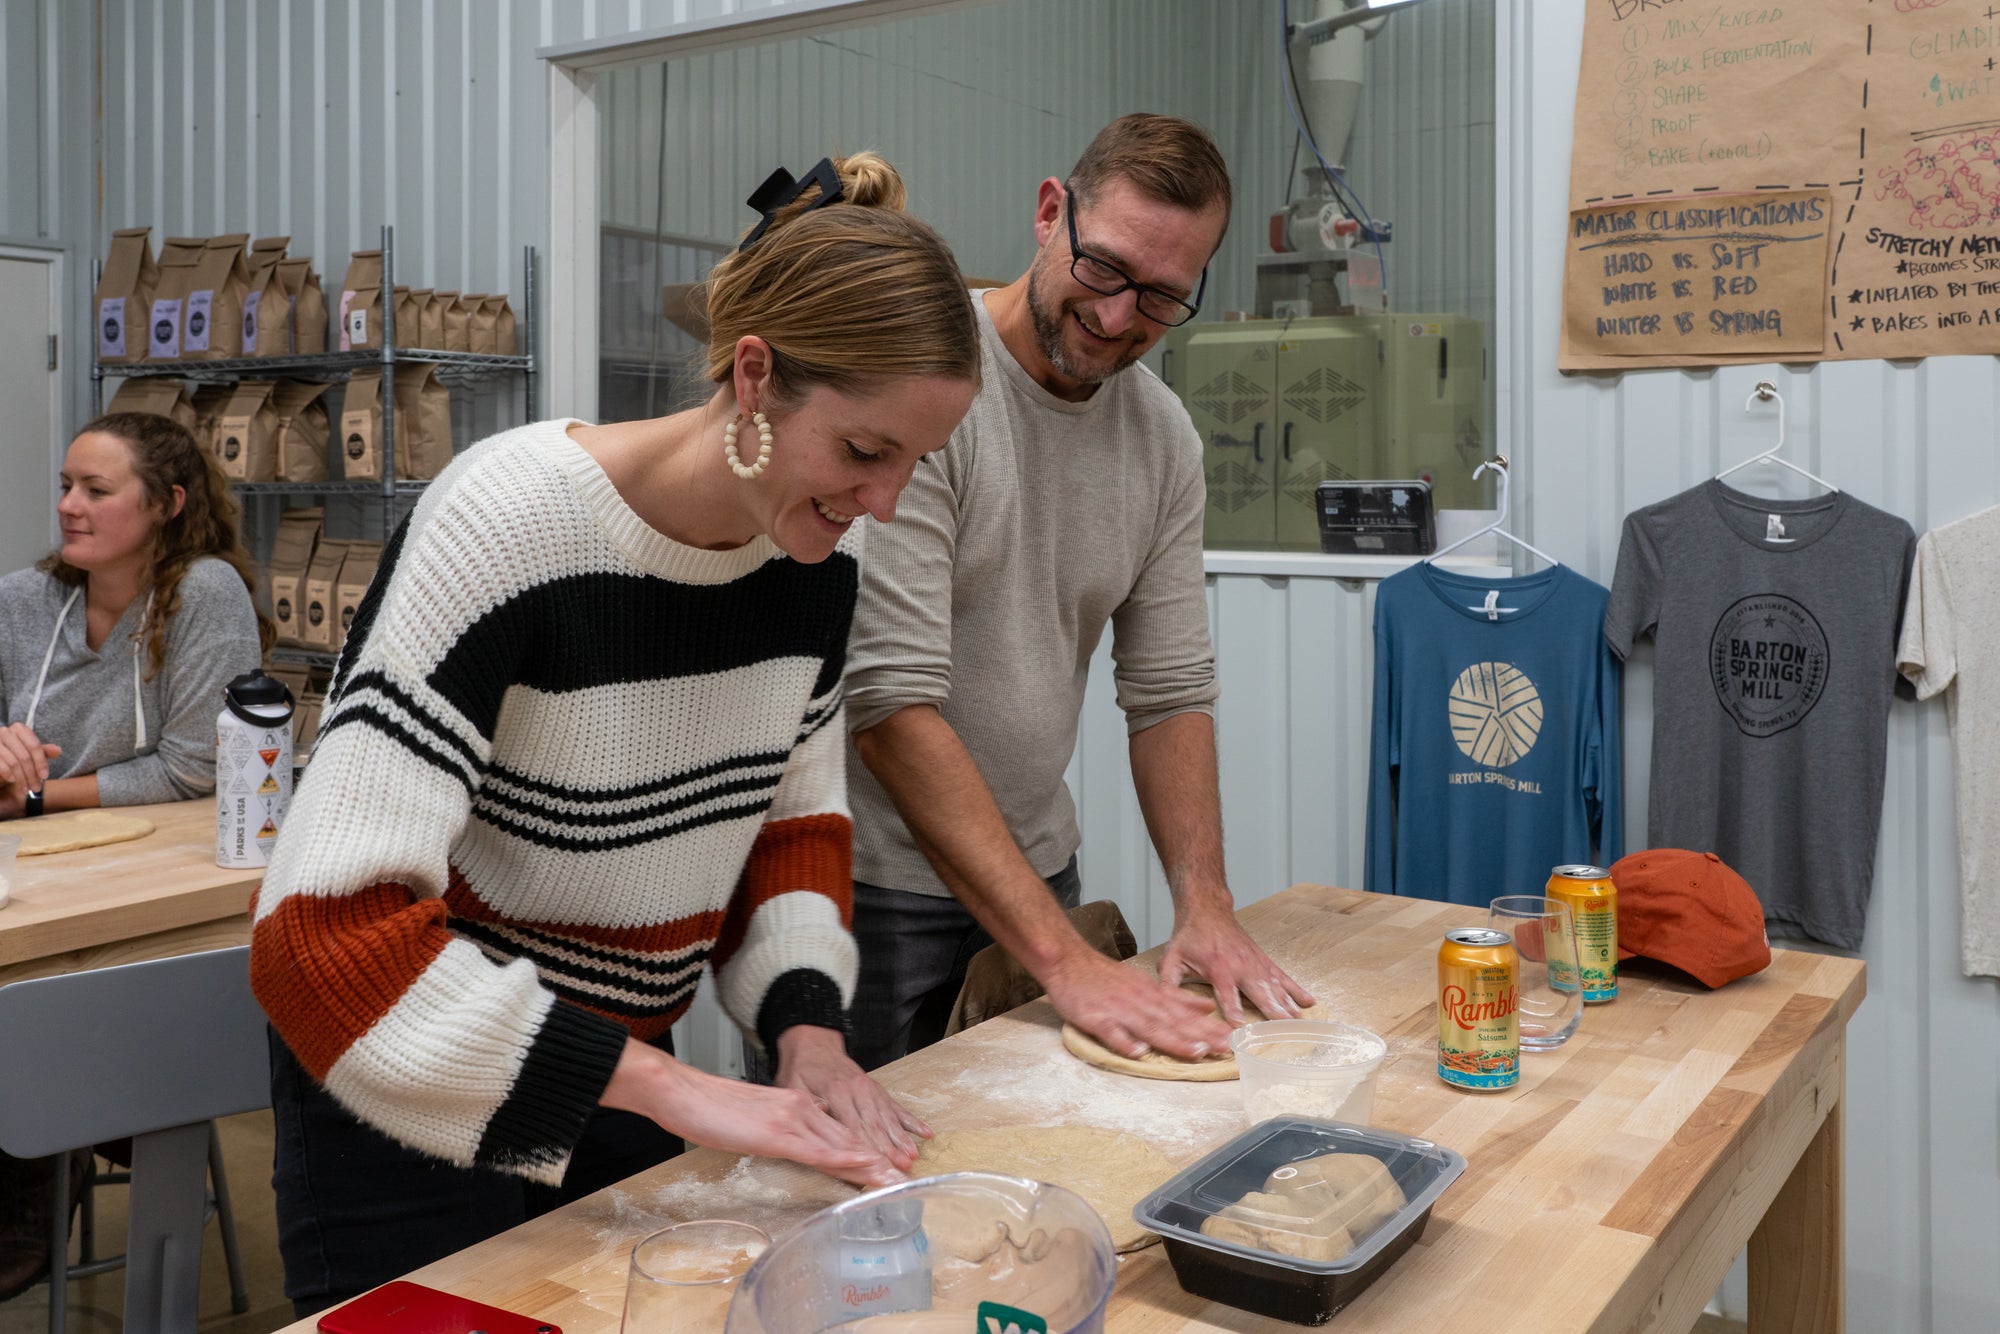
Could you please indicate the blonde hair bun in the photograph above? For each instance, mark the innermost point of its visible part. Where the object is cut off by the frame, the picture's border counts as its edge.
(867, 180)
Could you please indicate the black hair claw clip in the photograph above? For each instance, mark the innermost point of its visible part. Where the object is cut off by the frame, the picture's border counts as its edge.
(780, 190)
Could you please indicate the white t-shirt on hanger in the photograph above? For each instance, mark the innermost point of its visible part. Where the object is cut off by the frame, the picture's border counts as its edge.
(1951, 644)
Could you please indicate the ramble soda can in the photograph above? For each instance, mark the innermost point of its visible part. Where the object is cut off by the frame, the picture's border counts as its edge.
(1479, 1009)
(253, 769)
(1593, 902)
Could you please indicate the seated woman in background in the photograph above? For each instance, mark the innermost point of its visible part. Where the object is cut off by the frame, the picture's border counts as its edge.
(115, 648)
(114, 652)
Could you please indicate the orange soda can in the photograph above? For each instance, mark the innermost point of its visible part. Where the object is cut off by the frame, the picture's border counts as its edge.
(1479, 1016)
(1593, 902)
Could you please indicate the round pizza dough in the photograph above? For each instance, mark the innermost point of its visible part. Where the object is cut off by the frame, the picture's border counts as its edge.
(1159, 1065)
(1111, 1170)
(68, 831)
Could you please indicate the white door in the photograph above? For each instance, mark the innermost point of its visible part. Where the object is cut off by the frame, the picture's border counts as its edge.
(27, 410)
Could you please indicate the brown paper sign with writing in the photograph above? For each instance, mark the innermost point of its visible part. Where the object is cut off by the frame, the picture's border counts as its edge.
(1718, 274)
(1892, 110)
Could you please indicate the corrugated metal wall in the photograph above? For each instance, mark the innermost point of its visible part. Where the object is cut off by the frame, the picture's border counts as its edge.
(974, 106)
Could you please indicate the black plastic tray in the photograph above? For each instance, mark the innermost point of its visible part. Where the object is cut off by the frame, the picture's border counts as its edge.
(1304, 1292)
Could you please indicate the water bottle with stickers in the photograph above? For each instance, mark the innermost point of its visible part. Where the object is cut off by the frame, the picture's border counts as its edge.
(253, 769)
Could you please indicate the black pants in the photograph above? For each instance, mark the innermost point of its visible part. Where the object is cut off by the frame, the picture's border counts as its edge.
(356, 1209)
(914, 952)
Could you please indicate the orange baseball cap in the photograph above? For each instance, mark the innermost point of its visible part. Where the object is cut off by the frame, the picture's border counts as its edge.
(1690, 910)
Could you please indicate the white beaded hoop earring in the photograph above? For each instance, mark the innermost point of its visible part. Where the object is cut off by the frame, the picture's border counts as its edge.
(749, 472)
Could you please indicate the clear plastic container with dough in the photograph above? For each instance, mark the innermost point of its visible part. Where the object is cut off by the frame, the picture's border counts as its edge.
(1295, 1217)
(925, 1256)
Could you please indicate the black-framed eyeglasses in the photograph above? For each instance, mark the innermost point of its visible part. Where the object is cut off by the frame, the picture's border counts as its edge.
(1107, 279)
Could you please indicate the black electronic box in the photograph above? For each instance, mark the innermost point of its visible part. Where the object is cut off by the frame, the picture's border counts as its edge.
(1375, 518)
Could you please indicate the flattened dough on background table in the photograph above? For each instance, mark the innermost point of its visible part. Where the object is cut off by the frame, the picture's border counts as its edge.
(69, 831)
(1159, 1065)
(1111, 1170)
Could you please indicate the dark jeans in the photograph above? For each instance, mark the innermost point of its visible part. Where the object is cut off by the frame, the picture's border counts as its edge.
(356, 1209)
(914, 950)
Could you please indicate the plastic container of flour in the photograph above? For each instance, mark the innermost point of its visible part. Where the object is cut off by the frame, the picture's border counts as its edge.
(1295, 1218)
(1308, 1067)
(935, 1256)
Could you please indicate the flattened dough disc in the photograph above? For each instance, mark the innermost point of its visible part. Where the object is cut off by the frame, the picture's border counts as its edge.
(1113, 1171)
(1159, 1065)
(68, 831)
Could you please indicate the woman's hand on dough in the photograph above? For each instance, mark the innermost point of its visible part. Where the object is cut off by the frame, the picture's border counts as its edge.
(737, 1117)
(815, 1061)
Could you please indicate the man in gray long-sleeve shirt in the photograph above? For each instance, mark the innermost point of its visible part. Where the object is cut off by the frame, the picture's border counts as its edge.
(1070, 496)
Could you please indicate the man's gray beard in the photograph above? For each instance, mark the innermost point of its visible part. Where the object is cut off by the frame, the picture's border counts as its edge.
(1048, 326)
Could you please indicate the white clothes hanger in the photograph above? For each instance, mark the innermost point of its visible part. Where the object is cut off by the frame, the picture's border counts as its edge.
(1767, 391)
(1491, 606)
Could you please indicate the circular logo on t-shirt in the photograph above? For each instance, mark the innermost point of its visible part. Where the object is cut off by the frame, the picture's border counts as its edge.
(1496, 713)
(1768, 660)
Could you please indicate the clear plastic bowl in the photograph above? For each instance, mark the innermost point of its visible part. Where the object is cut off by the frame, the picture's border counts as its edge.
(925, 1256)
(1308, 1067)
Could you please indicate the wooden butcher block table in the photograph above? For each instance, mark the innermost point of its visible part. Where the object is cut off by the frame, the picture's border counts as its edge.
(149, 898)
(1610, 1190)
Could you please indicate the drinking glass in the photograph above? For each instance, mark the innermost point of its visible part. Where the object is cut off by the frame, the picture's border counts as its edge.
(683, 1277)
(1551, 994)
(9, 845)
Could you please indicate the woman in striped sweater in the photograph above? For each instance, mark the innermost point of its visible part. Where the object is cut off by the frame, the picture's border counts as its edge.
(586, 740)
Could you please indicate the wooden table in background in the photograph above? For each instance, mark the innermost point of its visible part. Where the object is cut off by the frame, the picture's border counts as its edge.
(1610, 1190)
(150, 898)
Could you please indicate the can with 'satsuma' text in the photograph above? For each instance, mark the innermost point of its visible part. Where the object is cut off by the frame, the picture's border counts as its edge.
(1479, 1017)
(1593, 902)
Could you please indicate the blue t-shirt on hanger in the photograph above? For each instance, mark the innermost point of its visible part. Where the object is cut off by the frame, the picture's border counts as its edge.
(1494, 749)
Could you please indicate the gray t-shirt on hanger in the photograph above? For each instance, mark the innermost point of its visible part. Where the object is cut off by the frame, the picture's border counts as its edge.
(1775, 623)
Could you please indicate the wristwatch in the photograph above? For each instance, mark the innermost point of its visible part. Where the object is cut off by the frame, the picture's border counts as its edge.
(32, 803)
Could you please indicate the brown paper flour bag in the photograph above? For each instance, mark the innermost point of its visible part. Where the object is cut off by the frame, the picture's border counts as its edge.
(423, 423)
(357, 571)
(160, 395)
(321, 629)
(208, 400)
(430, 324)
(212, 322)
(177, 279)
(267, 309)
(291, 557)
(246, 434)
(409, 317)
(362, 450)
(303, 428)
(360, 320)
(125, 297)
(308, 305)
(479, 323)
(457, 323)
(505, 340)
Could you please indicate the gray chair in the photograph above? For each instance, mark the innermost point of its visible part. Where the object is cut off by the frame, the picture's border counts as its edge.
(155, 1051)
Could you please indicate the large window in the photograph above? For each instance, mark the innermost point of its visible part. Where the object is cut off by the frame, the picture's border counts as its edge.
(1297, 369)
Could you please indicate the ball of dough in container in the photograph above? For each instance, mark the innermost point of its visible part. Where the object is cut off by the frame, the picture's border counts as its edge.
(1277, 1223)
(1354, 1189)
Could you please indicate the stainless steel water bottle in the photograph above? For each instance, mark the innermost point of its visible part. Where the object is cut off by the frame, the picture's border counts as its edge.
(253, 768)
